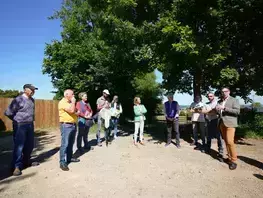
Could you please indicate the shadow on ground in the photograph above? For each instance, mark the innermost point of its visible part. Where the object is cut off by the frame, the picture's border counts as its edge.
(42, 138)
(91, 143)
(251, 162)
(157, 130)
(4, 184)
(258, 176)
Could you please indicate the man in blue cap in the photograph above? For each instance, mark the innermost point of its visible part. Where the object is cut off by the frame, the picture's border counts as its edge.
(22, 112)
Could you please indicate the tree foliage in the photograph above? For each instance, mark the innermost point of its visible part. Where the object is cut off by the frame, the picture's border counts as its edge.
(209, 44)
(198, 45)
(9, 93)
(101, 47)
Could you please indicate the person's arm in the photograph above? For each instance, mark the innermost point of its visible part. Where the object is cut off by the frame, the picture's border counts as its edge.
(206, 109)
(12, 109)
(78, 108)
(144, 110)
(100, 106)
(72, 106)
(164, 110)
(136, 110)
(90, 112)
(178, 110)
(120, 109)
(235, 108)
(90, 109)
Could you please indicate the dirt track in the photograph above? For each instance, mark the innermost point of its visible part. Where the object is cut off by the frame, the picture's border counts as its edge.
(122, 170)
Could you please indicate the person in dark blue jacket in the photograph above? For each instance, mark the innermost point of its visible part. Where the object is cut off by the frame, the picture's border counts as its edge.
(172, 111)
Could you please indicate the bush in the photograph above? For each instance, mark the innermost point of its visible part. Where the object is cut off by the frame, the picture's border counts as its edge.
(251, 125)
(258, 123)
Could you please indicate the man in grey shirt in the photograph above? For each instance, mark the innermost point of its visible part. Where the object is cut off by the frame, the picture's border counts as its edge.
(212, 125)
(22, 112)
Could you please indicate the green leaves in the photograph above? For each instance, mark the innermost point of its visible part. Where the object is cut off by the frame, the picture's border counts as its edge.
(198, 46)
(9, 93)
(228, 77)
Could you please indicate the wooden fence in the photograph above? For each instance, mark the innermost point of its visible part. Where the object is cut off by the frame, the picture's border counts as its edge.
(46, 114)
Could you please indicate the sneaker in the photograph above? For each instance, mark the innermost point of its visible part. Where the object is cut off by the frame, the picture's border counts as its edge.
(142, 143)
(99, 144)
(80, 150)
(64, 167)
(74, 160)
(17, 172)
(208, 151)
(220, 158)
(29, 164)
(167, 144)
(178, 146)
(232, 166)
(196, 148)
(202, 149)
(115, 137)
(34, 163)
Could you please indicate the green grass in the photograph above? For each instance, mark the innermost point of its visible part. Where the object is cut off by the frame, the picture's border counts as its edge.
(247, 132)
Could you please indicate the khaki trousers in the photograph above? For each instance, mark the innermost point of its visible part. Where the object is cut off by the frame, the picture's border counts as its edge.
(228, 134)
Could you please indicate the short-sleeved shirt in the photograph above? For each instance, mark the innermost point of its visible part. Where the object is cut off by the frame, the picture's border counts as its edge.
(197, 117)
(102, 102)
(210, 106)
(64, 116)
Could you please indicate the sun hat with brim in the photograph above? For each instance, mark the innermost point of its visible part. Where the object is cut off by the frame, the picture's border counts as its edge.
(106, 91)
(30, 86)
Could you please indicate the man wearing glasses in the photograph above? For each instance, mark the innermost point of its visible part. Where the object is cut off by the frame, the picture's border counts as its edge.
(229, 109)
(212, 126)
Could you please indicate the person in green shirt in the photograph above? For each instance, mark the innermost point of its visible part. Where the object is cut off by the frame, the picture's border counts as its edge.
(139, 117)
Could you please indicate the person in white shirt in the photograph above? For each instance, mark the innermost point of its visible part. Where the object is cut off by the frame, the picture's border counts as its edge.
(212, 125)
(198, 123)
(116, 112)
(102, 102)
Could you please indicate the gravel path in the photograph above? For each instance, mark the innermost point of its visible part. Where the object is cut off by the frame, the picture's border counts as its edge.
(122, 170)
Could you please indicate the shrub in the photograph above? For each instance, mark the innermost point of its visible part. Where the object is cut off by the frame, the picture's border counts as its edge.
(251, 126)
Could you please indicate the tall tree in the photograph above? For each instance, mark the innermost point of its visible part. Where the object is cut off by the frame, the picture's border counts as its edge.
(220, 45)
(101, 47)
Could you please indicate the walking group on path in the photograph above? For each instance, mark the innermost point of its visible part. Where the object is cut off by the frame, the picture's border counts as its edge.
(220, 118)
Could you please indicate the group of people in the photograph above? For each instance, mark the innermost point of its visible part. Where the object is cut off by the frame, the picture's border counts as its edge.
(215, 119)
(78, 116)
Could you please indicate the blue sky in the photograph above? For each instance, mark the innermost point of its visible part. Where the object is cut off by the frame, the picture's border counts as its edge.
(24, 30)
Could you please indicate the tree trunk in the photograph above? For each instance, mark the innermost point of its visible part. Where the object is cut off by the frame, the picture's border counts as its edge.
(197, 82)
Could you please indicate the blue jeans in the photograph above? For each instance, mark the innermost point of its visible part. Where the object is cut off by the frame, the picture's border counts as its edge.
(115, 122)
(213, 132)
(68, 133)
(23, 143)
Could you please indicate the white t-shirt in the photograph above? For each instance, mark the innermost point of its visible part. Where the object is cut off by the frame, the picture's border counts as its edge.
(197, 117)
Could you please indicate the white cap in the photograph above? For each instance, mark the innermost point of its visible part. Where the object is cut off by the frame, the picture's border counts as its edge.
(106, 91)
